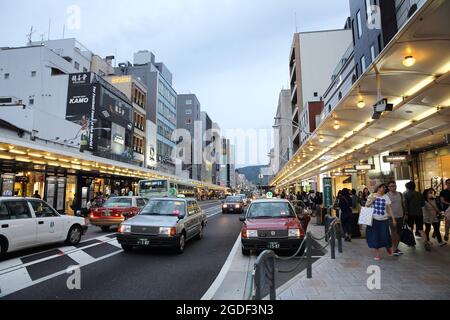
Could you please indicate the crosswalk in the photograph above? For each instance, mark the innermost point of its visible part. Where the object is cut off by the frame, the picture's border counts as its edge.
(23, 272)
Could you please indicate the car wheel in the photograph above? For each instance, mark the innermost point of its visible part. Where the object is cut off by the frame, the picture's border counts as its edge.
(200, 233)
(127, 248)
(105, 229)
(74, 236)
(245, 252)
(181, 244)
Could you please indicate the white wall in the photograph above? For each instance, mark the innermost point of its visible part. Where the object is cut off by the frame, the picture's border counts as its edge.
(320, 53)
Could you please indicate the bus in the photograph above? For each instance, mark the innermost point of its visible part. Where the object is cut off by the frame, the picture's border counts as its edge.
(161, 188)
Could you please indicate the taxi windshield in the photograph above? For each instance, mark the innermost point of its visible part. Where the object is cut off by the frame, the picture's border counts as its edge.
(164, 208)
(233, 199)
(118, 203)
(267, 210)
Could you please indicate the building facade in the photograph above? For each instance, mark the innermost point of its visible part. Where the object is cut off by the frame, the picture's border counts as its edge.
(162, 105)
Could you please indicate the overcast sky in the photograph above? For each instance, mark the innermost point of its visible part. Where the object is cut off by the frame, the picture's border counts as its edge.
(232, 53)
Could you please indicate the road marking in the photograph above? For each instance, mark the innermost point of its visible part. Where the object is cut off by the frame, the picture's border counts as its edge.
(10, 264)
(81, 257)
(13, 280)
(222, 274)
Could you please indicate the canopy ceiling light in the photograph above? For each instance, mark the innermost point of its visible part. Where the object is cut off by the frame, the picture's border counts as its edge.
(409, 61)
(336, 126)
(361, 104)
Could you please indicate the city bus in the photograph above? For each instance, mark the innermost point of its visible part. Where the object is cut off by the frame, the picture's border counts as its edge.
(162, 188)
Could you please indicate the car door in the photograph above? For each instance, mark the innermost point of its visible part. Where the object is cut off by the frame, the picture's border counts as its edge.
(17, 224)
(190, 220)
(49, 223)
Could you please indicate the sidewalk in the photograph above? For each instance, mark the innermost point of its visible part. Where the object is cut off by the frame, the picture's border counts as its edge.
(417, 275)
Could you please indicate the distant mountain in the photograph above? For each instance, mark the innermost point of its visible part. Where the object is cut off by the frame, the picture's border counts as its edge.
(252, 173)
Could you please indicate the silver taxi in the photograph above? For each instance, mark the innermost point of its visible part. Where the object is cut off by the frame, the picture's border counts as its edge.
(164, 222)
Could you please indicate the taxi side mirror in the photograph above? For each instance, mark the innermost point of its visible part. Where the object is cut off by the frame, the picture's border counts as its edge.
(242, 219)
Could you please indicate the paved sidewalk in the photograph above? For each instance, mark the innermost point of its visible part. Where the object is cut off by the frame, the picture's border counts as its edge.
(417, 275)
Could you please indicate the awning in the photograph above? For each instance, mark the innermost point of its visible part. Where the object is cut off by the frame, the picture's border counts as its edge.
(21, 150)
(420, 95)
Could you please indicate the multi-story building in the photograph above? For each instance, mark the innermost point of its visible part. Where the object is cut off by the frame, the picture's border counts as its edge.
(209, 151)
(136, 92)
(314, 56)
(161, 103)
(189, 118)
(217, 152)
(283, 131)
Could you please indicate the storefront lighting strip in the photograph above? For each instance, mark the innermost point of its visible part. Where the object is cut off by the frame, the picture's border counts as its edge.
(422, 116)
(5, 157)
(35, 155)
(422, 84)
(17, 152)
(64, 160)
(39, 162)
(50, 158)
(53, 164)
(23, 159)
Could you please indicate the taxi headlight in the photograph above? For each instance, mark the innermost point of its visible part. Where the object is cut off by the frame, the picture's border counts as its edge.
(252, 234)
(124, 229)
(225, 206)
(170, 232)
(294, 233)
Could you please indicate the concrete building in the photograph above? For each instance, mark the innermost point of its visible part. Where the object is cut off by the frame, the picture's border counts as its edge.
(161, 98)
(189, 118)
(144, 142)
(209, 150)
(283, 131)
(314, 56)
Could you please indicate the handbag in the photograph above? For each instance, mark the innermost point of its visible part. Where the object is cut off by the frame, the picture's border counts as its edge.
(366, 216)
(407, 236)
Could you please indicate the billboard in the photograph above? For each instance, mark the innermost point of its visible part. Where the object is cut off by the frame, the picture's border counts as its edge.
(81, 107)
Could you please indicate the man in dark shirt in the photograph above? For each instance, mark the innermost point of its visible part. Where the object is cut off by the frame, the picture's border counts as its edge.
(414, 202)
(445, 203)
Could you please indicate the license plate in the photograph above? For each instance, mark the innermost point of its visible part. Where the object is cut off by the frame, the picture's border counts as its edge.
(143, 242)
(106, 214)
(273, 245)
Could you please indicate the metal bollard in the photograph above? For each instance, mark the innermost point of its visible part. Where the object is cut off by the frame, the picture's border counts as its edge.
(309, 256)
(265, 272)
(339, 237)
(333, 243)
(328, 220)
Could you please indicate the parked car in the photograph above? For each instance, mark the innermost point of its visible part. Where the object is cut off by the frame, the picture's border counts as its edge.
(271, 224)
(115, 211)
(233, 204)
(244, 198)
(29, 222)
(164, 222)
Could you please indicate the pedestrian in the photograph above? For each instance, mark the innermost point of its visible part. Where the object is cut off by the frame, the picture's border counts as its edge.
(346, 213)
(312, 199)
(431, 215)
(336, 203)
(445, 206)
(299, 195)
(414, 203)
(398, 209)
(378, 235)
(283, 195)
(36, 195)
(364, 197)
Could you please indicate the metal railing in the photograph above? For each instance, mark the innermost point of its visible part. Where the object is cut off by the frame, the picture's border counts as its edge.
(264, 272)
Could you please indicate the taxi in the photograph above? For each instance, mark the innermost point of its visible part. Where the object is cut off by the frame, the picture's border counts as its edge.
(271, 224)
(29, 222)
(115, 211)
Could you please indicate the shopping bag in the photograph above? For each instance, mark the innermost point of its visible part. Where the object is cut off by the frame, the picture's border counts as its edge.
(366, 216)
(407, 236)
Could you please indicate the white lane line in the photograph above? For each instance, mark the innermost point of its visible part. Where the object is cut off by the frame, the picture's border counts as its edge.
(222, 274)
(52, 257)
(26, 284)
(81, 257)
(115, 243)
(10, 264)
(13, 280)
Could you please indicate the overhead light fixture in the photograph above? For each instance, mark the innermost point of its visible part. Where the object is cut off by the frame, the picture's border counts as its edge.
(304, 155)
(321, 139)
(336, 126)
(361, 104)
(311, 148)
(409, 61)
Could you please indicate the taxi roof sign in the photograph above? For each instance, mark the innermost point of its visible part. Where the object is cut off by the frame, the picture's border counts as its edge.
(269, 195)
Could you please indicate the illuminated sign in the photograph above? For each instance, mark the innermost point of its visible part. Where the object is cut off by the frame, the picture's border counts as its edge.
(119, 139)
(350, 171)
(392, 159)
(365, 167)
(125, 79)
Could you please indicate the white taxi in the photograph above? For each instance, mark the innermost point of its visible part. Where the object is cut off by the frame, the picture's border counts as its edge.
(27, 222)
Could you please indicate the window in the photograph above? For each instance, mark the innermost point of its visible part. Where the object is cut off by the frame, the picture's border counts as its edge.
(77, 65)
(189, 121)
(85, 70)
(316, 94)
(140, 203)
(188, 102)
(6, 76)
(188, 111)
(31, 102)
(33, 73)
(359, 24)
(363, 64)
(372, 53)
(43, 210)
(15, 210)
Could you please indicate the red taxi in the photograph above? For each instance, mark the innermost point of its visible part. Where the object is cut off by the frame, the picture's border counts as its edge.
(271, 224)
(115, 211)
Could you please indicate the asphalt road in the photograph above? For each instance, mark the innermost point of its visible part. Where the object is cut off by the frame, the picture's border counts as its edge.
(144, 274)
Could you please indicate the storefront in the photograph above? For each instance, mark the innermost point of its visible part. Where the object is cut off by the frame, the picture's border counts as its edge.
(432, 168)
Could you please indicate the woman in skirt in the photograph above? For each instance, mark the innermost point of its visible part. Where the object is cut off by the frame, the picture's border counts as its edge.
(378, 235)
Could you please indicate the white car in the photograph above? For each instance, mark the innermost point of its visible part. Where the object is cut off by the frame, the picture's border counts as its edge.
(26, 222)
